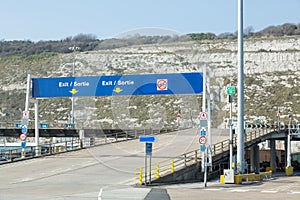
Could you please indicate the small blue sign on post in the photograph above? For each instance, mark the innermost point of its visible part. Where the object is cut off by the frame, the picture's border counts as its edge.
(203, 132)
(147, 138)
(24, 128)
(148, 148)
(18, 126)
(202, 147)
(23, 144)
(44, 125)
(69, 125)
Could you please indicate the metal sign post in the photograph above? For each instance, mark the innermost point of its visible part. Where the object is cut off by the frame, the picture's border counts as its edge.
(205, 168)
(230, 91)
(26, 114)
(148, 144)
(149, 153)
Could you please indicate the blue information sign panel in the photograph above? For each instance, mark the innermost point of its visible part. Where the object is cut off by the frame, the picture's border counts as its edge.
(69, 125)
(123, 85)
(44, 125)
(23, 144)
(24, 128)
(203, 132)
(202, 147)
(147, 138)
(148, 148)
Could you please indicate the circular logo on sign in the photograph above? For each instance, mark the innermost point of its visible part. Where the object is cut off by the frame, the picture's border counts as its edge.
(23, 137)
(162, 84)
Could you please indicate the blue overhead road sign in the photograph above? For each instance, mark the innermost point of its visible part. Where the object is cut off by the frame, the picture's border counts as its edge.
(144, 84)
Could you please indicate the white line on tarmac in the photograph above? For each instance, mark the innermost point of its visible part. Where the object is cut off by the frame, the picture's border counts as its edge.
(295, 192)
(269, 191)
(239, 190)
(212, 189)
(100, 194)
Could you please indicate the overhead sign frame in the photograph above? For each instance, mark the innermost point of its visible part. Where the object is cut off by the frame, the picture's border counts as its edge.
(121, 85)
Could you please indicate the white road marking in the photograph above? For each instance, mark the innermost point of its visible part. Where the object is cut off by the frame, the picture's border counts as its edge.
(239, 190)
(295, 192)
(212, 189)
(100, 194)
(269, 191)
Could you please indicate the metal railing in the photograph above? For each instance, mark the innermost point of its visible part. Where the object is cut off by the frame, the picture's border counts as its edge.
(17, 154)
(171, 165)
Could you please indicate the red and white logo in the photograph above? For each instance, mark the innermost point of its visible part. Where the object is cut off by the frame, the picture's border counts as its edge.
(25, 114)
(23, 137)
(162, 84)
(202, 140)
(203, 116)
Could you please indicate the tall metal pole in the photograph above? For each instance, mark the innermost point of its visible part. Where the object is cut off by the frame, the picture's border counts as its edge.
(73, 74)
(204, 90)
(240, 134)
(74, 48)
(27, 92)
(203, 160)
(209, 123)
(36, 125)
(288, 154)
(231, 134)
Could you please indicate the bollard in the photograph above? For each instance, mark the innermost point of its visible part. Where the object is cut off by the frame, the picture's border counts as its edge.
(141, 176)
(222, 180)
(66, 146)
(49, 149)
(289, 171)
(81, 144)
(172, 166)
(157, 171)
(10, 155)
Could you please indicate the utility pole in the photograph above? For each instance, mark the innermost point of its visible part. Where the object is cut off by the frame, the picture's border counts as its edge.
(74, 49)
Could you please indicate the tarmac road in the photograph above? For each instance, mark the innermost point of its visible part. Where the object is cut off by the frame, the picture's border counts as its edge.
(107, 172)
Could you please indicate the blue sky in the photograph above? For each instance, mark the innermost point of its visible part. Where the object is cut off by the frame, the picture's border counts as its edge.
(37, 20)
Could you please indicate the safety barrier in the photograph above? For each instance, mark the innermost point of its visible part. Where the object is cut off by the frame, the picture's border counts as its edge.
(238, 179)
(123, 135)
(166, 167)
(17, 154)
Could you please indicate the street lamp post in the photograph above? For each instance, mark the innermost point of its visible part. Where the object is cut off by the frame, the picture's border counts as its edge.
(240, 133)
(74, 49)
